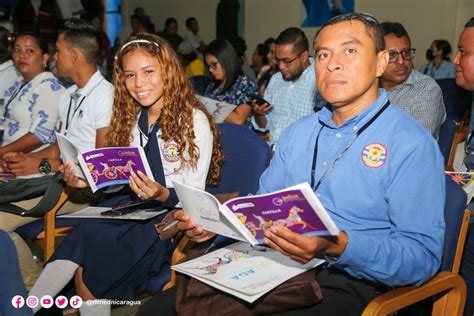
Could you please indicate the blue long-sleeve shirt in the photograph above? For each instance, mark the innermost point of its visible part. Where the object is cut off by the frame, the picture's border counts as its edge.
(387, 192)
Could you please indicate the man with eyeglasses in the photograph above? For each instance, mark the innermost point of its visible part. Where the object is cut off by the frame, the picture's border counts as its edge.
(417, 94)
(290, 93)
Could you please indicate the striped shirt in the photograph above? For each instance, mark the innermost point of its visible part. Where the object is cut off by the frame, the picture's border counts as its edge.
(421, 97)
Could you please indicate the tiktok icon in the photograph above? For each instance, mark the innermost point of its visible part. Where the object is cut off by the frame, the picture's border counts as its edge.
(75, 301)
(18, 301)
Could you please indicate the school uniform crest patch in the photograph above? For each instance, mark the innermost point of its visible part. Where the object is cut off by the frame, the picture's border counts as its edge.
(374, 155)
(170, 152)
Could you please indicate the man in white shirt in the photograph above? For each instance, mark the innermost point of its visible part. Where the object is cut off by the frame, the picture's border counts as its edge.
(192, 36)
(85, 113)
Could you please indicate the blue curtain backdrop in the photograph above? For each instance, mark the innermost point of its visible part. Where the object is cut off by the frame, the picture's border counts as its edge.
(319, 11)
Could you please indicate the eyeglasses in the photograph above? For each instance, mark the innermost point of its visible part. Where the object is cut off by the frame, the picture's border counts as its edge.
(407, 54)
(213, 65)
(285, 62)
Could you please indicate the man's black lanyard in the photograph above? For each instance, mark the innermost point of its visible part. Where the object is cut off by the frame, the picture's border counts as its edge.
(12, 97)
(78, 106)
(343, 152)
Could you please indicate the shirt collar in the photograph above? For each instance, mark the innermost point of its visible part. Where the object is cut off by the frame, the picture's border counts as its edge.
(325, 115)
(91, 84)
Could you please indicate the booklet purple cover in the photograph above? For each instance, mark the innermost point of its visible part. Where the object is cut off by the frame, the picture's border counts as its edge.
(246, 218)
(289, 209)
(112, 165)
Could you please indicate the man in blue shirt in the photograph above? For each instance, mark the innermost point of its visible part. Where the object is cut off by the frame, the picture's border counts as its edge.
(376, 170)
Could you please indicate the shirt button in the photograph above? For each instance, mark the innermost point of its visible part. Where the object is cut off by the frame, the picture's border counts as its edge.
(324, 163)
(355, 128)
(338, 135)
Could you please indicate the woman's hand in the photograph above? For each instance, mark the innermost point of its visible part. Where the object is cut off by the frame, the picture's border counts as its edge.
(191, 230)
(147, 189)
(71, 178)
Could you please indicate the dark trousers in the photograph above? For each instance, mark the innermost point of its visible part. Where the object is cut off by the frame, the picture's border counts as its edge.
(342, 295)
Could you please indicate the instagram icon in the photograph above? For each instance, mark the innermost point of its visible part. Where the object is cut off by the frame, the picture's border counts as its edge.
(32, 301)
(18, 301)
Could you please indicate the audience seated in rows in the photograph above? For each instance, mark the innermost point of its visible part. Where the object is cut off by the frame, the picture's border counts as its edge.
(114, 259)
(84, 111)
(398, 237)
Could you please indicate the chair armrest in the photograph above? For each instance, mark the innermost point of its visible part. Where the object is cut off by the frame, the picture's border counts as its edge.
(450, 286)
(178, 254)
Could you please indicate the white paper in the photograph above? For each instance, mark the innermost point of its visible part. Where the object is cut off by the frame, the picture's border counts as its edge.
(204, 210)
(69, 153)
(218, 109)
(244, 271)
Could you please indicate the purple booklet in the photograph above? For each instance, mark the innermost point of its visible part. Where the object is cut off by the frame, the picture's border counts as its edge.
(247, 218)
(112, 165)
(104, 166)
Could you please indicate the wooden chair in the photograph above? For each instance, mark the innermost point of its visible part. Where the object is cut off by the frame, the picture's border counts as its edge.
(447, 287)
(44, 232)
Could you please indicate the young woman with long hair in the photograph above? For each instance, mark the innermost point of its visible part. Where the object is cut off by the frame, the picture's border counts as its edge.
(154, 107)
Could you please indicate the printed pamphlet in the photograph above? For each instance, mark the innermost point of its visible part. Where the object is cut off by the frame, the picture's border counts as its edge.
(104, 166)
(247, 218)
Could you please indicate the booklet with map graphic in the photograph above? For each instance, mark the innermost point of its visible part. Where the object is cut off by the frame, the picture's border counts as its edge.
(218, 109)
(243, 270)
(246, 218)
(104, 166)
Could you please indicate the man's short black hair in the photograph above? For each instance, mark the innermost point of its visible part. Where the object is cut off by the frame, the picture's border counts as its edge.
(394, 28)
(190, 20)
(84, 36)
(294, 36)
(371, 24)
(469, 23)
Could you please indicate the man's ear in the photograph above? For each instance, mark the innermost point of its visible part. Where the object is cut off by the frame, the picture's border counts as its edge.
(382, 62)
(305, 55)
(74, 54)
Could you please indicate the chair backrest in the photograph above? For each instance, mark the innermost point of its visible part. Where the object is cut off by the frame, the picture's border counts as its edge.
(454, 216)
(246, 156)
(199, 84)
(456, 99)
(446, 138)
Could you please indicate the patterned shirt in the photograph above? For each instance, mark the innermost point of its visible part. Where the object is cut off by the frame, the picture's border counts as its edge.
(236, 94)
(291, 100)
(32, 107)
(421, 97)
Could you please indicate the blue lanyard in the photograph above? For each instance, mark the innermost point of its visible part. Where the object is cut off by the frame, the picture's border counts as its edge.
(343, 152)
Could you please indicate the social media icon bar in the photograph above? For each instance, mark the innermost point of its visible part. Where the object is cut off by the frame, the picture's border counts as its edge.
(75, 301)
(46, 301)
(61, 301)
(32, 301)
(18, 301)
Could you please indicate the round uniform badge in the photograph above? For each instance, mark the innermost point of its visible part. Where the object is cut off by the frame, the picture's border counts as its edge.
(374, 155)
(170, 152)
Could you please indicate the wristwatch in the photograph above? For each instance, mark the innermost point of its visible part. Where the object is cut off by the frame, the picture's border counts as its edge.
(44, 166)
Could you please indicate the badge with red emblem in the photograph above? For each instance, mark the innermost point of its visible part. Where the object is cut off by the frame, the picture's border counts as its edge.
(170, 152)
(374, 155)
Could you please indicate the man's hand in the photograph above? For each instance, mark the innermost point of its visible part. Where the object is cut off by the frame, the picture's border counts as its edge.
(70, 177)
(303, 248)
(191, 230)
(260, 109)
(20, 164)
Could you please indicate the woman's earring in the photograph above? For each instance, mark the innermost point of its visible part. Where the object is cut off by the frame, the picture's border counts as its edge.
(45, 65)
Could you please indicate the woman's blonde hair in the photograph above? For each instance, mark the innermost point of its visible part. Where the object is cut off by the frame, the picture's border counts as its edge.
(176, 118)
